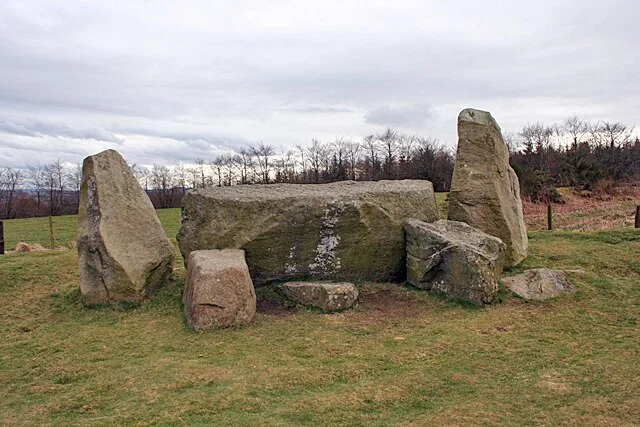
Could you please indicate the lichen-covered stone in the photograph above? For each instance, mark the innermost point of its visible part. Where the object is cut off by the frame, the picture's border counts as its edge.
(324, 295)
(485, 192)
(123, 251)
(341, 231)
(218, 290)
(538, 284)
(455, 259)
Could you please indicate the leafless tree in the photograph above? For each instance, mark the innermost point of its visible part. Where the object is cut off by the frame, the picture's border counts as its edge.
(263, 153)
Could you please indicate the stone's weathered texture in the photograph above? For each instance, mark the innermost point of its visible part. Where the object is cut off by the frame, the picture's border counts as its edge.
(123, 250)
(485, 192)
(538, 284)
(453, 258)
(324, 295)
(218, 291)
(341, 231)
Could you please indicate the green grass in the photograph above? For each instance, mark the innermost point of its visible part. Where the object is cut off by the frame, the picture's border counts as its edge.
(401, 357)
(36, 230)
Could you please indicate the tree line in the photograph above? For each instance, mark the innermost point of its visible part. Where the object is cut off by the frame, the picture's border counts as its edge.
(574, 153)
(389, 155)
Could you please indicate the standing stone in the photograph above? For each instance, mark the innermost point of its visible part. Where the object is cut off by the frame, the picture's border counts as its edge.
(485, 192)
(453, 258)
(123, 250)
(340, 231)
(218, 291)
(538, 284)
(324, 295)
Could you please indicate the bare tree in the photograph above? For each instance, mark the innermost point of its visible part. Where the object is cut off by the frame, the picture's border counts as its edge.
(10, 182)
(263, 154)
(389, 140)
(370, 144)
(37, 179)
(576, 128)
(352, 150)
(181, 174)
(216, 166)
(615, 134)
(162, 182)
(54, 177)
(316, 152)
(201, 164)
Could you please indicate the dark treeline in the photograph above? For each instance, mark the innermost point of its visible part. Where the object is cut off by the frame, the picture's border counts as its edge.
(389, 155)
(574, 153)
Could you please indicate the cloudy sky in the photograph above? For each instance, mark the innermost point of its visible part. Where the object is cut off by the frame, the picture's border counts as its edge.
(167, 82)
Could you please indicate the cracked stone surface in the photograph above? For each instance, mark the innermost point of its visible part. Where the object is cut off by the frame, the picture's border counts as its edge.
(346, 231)
(327, 296)
(455, 259)
(485, 192)
(123, 251)
(218, 290)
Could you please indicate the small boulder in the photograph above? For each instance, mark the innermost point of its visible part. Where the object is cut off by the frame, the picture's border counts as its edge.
(218, 291)
(324, 295)
(485, 192)
(454, 258)
(538, 284)
(123, 251)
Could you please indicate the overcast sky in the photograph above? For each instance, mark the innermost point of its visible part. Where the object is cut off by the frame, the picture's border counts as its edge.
(168, 81)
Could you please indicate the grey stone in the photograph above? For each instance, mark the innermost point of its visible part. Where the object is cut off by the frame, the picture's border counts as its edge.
(123, 251)
(538, 284)
(455, 259)
(324, 295)
(485, 192)
(218, 291)
(341, 231)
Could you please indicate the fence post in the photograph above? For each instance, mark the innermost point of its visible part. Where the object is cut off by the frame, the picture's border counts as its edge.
(1, 238)
(637, 216)
(549, 217)
(51, 235)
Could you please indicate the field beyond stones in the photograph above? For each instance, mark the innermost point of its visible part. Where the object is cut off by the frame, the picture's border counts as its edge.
(401, 357)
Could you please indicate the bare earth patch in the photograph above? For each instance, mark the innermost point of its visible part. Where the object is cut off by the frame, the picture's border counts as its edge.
(582, 213)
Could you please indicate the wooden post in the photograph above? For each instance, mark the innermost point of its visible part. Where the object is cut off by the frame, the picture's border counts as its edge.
(51, 235)
(1, 238)
(637, 216)
(549, 217)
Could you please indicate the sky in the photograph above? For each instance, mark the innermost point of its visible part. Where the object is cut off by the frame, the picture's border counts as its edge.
(169, 82)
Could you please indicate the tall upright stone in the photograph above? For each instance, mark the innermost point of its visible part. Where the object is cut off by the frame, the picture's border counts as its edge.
(485, 192)
(123, 251)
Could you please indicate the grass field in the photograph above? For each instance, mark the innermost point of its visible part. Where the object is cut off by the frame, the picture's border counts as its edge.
(401, 357)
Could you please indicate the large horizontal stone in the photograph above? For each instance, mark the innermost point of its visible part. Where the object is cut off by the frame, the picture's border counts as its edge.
(218, 290)
(123, 251)
(341, 231)
(455, 259)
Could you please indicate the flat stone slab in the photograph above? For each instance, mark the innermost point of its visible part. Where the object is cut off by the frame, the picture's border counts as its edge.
(351, 231)
(539, 284)
(324, 295)
(218, 290)
(455, 259)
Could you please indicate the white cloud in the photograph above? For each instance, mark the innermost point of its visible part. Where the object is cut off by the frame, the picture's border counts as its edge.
(197, 78)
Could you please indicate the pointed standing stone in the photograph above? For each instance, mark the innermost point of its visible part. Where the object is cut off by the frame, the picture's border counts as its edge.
(485, 192)
(123, 250)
